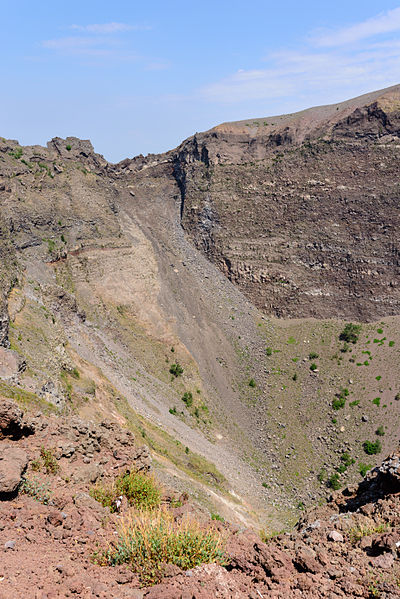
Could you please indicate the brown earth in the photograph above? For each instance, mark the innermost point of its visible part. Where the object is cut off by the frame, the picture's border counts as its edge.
(52, 528)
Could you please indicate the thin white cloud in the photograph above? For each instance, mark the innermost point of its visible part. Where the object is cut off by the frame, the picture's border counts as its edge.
(387, 22)
(330, 66)
(80, 45)
(105, 28)
(310, 74)
(91, 47)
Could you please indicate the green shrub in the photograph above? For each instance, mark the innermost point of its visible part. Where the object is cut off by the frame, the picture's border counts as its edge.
(173, 411)
(17, 153)
(372, 447)
(340, 399)
(313, 367)
(252, 383)
(322, 475)
(354, 403)
(350, 333)
(187, 398)
(312, 355)
(68, 147)
(338, 403)
(377, 401)
(48, 460)
(294, 377)
(364, 468)
(391, 343)
(149, 542)
(347, 461)
(141, 491)
(333, 481)
(36, 489)
(268, 351)
(217, 517)
(380, 431)
(176, 369)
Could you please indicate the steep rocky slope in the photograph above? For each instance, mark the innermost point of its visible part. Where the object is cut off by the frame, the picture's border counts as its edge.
(55, 532)
(103, 293)
(302, 210)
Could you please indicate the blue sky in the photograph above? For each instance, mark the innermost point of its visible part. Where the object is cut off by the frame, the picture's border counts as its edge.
(139, 77)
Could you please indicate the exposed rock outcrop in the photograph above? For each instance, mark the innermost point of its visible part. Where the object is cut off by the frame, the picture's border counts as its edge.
(301, 210)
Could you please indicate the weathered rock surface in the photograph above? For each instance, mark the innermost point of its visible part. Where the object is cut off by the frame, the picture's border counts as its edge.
(301, 210)
(13, 463)
(69, 527)
(12, 421)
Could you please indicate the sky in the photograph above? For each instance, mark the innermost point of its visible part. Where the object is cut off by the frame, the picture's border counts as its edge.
(139, 77)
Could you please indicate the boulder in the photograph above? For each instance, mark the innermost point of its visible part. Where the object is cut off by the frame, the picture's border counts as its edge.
(13, 463)
(12, 422)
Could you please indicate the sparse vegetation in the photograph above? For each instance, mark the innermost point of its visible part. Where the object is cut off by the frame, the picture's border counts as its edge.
(149, 542)
(46, 462)
(350, 333)
(37, 489)
(347, 461)
(354, 403)
(312, 355)
(187, 398)
(340, 399)
(333, 482)
(17, 153)
(380, 431)
(176, 369)
(372, 447)
(358, 532)
(364, 468)
(217, 517)
(141, 491)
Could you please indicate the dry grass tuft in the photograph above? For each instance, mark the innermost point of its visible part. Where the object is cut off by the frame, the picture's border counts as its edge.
(150, 540)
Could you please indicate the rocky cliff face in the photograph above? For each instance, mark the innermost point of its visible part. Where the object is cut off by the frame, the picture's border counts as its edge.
(102, 292)
(302, 211)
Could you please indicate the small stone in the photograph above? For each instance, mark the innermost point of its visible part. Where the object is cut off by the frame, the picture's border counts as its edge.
(9, 545)
(335, 536)
(364, 418)
(55, 518)
(384, 561)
